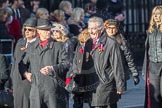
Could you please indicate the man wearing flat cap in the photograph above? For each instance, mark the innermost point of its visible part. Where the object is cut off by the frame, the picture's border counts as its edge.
(44, 83)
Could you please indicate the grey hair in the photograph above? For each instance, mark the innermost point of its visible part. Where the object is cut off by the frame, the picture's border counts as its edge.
(99, 22)
(77, 13)
(64, 4)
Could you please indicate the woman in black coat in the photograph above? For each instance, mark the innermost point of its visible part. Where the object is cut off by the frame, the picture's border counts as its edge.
(83, 72)
(21, 87)
(112, 29)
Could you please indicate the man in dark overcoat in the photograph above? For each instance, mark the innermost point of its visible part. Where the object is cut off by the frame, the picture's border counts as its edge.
(44, 52)
(108, 65)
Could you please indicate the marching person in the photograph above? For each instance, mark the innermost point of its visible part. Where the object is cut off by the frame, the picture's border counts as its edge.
(112, 29)
(44, 52)
(108, 65)
(60, 34)
(21, 86)
(83, 72)
(152, 67)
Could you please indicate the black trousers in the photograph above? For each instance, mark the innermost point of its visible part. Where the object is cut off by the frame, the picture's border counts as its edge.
(81, 98)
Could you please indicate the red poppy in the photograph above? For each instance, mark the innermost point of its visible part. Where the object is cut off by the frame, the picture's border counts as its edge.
(81, 50)
(101, 47)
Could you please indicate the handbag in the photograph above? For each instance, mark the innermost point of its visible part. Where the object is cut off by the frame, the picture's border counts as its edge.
(6, 99)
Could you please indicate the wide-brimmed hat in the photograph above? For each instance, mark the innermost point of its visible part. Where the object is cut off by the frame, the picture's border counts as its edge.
(32, 22)
(43, 24)
(60, 27)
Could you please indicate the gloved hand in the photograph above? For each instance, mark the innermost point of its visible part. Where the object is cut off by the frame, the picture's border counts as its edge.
(136, 80)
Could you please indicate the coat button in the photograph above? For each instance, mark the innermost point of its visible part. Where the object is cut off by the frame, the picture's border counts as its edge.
(79, 71)
(79, 61)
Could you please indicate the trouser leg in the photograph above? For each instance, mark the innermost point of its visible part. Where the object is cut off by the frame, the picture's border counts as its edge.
(78, 101)
(155, 90)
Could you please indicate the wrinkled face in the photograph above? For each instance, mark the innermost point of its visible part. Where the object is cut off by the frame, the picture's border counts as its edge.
(94, 30)
(157, 16)
(44, 34)
(29, 32)
(56, 34)
(111, 30)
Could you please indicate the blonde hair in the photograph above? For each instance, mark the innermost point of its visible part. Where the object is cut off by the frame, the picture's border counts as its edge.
(62, 29)
(84, 36)
(40, 12)
(152, 23)
(58, 14)
(77, 12)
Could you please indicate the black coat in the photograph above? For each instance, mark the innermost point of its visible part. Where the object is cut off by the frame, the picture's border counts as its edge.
(53, 54)
(128, 61)
(4, 33)
(109, 67)
(83, 66)
(4, 73)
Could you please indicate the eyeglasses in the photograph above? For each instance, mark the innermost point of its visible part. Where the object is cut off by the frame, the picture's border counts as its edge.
(31, 30)
(55, 31)
(110, 27)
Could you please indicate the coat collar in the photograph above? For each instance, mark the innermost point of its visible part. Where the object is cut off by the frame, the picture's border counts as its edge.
(49, 44)
(102, 40)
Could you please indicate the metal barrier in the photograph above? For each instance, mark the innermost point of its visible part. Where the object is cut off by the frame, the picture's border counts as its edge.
(7, 48)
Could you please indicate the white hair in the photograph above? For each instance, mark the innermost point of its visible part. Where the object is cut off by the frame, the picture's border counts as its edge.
(97, 20)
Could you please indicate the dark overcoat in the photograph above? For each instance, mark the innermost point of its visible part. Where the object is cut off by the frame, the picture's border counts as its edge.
(109, 67)
(21, 87)
(83, 66)
(4, 75)
(46, 88)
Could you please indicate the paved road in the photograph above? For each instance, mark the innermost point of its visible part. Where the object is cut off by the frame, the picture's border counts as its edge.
(132, 98)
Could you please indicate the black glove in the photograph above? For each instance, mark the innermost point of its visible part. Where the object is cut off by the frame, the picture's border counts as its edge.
(136, 80)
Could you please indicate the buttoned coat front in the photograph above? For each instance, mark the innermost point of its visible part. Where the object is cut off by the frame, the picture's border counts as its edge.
(109, 67)
(83, 67)
(46, 88)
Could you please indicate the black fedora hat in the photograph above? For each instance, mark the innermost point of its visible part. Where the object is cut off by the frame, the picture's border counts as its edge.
(43, 24)
(32, 22)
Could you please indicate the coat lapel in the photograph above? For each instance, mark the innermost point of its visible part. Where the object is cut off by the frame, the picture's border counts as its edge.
(102, 40)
